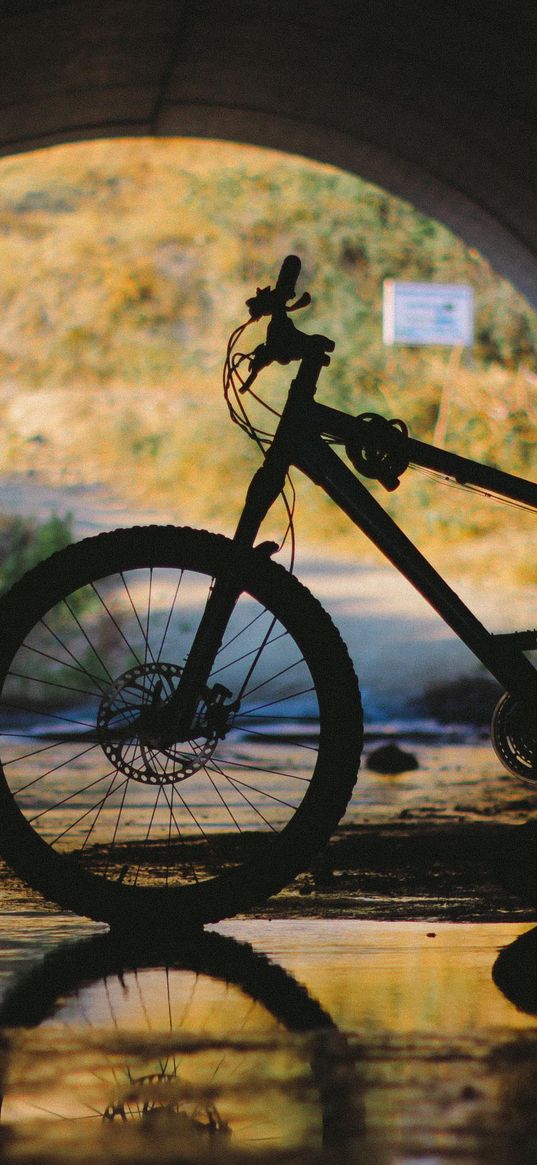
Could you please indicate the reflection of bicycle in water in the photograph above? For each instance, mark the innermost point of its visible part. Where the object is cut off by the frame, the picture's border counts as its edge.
(207, 1042)
(181, 724)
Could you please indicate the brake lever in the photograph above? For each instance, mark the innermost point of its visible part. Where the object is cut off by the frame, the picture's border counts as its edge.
(284, 342)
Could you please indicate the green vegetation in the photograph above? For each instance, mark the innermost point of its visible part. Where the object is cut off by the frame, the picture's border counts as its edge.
(24, 542)
(126, 265)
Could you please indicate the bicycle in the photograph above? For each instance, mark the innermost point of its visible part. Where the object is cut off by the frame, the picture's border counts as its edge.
(152, 680)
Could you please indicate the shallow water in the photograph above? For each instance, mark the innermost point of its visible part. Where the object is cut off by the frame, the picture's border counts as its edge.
(311, 1040)
(429, 1060)
(461, 781)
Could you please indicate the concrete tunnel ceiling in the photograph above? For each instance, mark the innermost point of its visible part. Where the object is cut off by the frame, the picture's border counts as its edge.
(432, 100)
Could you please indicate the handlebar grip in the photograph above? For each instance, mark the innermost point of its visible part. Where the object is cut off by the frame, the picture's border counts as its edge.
(289, 272)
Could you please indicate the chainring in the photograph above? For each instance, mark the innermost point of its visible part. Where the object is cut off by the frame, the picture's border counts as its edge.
(514, 738)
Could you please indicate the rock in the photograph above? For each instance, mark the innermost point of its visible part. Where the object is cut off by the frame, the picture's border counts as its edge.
(389, 758)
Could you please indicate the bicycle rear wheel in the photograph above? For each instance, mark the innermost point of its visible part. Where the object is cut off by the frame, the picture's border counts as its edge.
(133, 831)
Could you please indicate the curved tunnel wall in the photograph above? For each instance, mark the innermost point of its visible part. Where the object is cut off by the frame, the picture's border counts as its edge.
(436, 102)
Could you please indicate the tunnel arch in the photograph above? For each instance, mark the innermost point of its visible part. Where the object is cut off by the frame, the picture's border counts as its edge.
(436, 105)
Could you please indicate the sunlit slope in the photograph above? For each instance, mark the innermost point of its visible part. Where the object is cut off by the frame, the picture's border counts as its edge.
(126, 264)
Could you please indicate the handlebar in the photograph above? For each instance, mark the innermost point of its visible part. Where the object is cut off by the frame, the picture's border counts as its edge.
(269, 302)
(286, 281)
(284, 342)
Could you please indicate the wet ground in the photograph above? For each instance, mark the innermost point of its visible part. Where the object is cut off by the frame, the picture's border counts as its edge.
(309, 1041)
(382, 1009)
(449, 841)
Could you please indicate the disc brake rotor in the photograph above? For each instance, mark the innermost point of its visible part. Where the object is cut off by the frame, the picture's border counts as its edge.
(140, 756)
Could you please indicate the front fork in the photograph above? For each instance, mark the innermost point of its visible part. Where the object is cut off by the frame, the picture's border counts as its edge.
(180, 711)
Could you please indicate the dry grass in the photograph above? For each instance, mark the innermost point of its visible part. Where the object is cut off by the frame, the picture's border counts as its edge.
(125, 267)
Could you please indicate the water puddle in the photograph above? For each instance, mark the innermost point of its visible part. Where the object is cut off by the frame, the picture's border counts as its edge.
(291, 1040)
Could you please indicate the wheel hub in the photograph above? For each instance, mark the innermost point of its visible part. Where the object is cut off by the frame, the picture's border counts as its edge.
(134, 702)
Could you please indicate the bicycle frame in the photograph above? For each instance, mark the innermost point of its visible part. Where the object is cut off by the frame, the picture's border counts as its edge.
(300, 441)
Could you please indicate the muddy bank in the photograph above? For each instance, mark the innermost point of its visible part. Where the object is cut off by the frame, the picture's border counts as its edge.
(438, 871)
(458, 872)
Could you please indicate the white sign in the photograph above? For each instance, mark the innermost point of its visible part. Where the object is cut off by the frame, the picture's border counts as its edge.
(428, 313)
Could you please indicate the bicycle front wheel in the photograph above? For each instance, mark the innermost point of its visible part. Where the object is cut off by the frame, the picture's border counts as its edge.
(133, 830)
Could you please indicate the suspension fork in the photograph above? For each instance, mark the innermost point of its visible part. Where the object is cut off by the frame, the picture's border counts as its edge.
(267, 483)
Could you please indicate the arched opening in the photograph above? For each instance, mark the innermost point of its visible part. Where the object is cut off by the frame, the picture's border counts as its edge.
(128, 263)
(436, 109)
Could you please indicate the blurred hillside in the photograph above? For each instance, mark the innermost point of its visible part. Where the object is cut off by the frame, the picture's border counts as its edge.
(126, 265)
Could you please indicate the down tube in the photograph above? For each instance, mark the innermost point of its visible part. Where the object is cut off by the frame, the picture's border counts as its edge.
(506, 664)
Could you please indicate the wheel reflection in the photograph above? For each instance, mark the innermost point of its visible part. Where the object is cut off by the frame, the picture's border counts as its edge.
(208, 1046)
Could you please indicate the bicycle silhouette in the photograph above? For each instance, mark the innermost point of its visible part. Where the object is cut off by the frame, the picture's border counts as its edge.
(181, 722)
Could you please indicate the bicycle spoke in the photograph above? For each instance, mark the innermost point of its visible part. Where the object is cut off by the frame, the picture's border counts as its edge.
(265, 769)
(224, 803)
(49, 715)
(278, 718)
(253, 665)
(87, 811)
(116, 827)
(115, 623)
(270, 680)
(54, 684)
(146, 839)
(77, 666)
(143, 1004)
(279, 700)
(193, 816)
(264, 736)
(179, 834)
(250, 803)
(247, 654)
(169, 618)
(170, 837)
(227, 643)
(138, 620)
(68, 797)
(98, 814)
(55, 769)
(254, 789)
(148, 619)
(28, 756)
(88, 640)
(59, 1115)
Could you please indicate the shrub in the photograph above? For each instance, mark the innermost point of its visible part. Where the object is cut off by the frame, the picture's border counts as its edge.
(25, 542)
